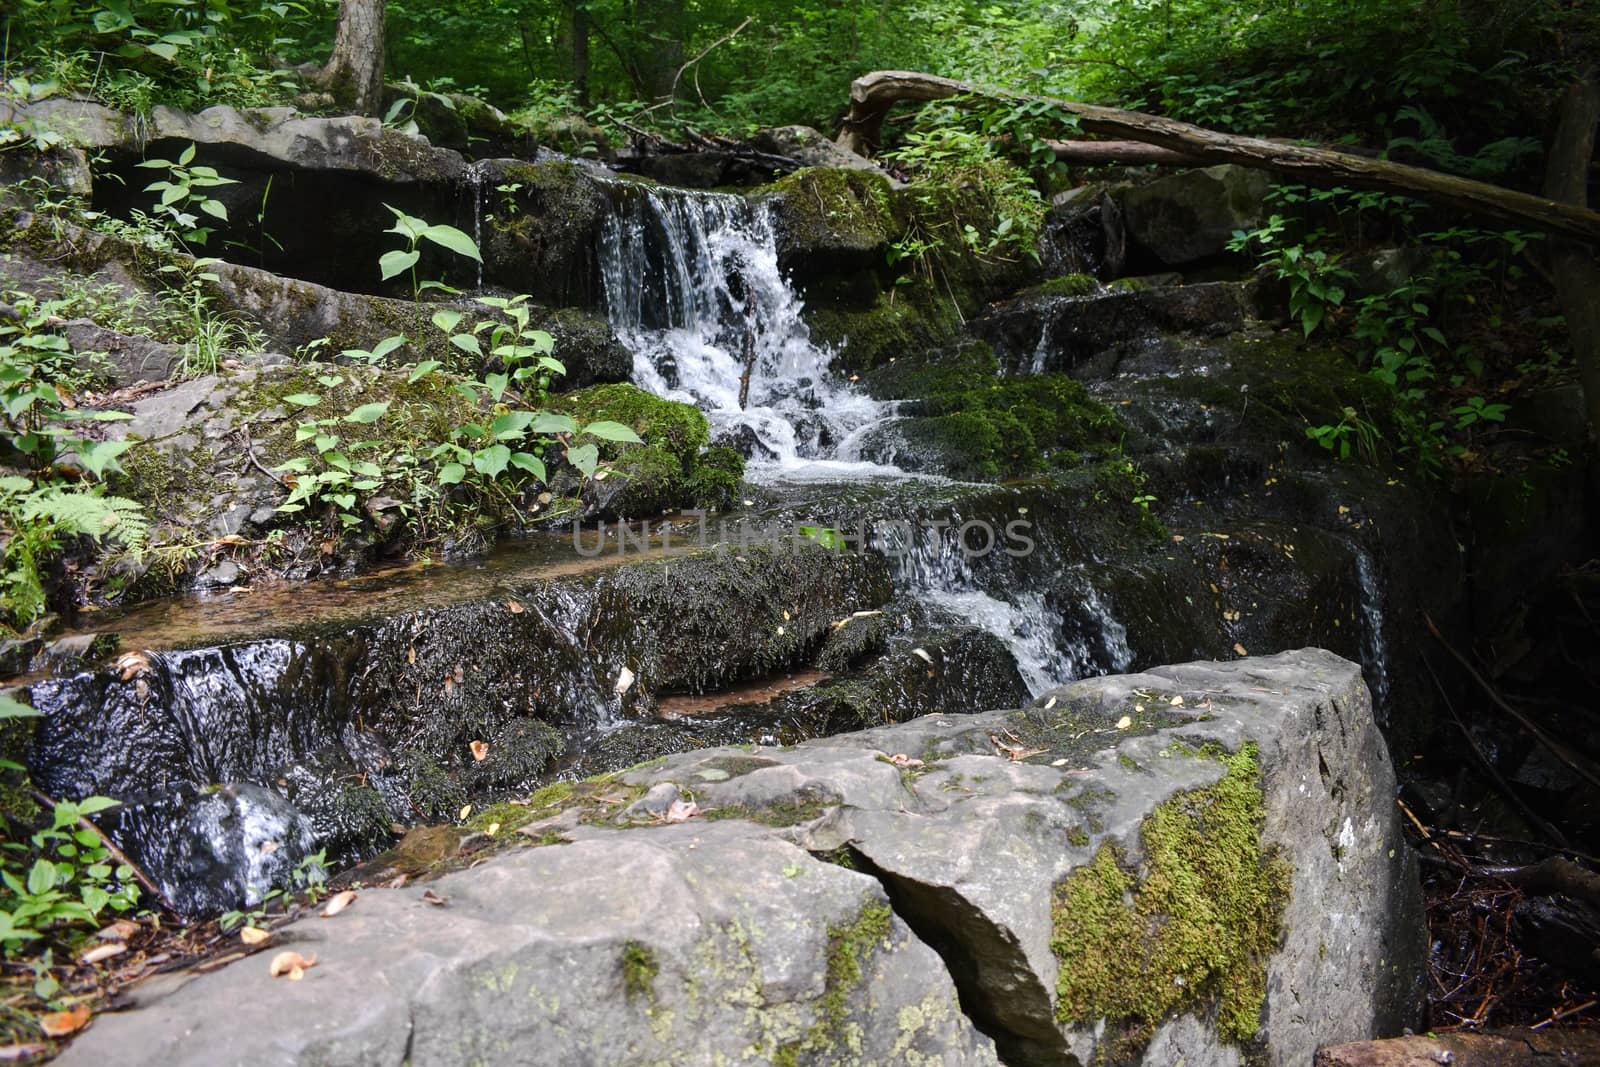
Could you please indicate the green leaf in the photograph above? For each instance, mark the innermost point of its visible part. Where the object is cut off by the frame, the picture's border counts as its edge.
(447, 320)
(387, 345)
(215, 209)
(422, 370)
(586, 458)
(453, 239)
(532, 464)
(466, 342)
(392, 263)
(612, 431)
(550, 422)
(305, 400)
(492, 461)
(451, 473)
(511, 424)
(95, 805)
(368, 412)
(11, 708)
(41, 877)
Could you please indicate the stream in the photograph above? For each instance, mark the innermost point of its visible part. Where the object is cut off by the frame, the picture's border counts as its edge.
(252, 730)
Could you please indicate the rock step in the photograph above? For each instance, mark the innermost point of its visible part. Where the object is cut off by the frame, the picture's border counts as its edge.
(1195, 864)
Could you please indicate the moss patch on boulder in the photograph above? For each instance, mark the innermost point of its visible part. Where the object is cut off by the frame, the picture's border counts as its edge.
(1191, 927)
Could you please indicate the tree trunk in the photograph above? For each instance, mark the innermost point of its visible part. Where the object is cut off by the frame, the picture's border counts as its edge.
(872, 95)
(580, 54)
(354, 73)
(1095, 153)
(1577, 275)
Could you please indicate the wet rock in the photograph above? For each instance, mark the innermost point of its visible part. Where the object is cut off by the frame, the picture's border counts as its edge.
(1025, 875)
(1086, 336)
(744, 440)
(832, 221)
(215, 848)
(1190, 216)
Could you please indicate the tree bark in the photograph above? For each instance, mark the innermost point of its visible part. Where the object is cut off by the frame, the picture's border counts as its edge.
(1095, 153)
(580, 54)
(354, 73)
(1577, 275)
(872, 95)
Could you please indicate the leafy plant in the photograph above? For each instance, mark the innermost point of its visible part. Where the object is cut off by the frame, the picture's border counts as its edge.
(61, 879)
(1476, 410)
(182, 194)
(415, 231)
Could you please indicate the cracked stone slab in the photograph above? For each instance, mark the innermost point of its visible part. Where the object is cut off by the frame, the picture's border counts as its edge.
(690, 944)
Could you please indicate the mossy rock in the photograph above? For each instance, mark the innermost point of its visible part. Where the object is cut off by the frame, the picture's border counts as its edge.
(968, 422)
(679, 429)
(829, 212)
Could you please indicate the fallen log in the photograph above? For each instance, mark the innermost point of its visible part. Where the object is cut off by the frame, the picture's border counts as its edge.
(1133, 153)
(1506, 1048)
(873, 95)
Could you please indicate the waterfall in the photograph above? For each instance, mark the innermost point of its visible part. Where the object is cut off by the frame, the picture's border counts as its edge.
(693, 289)
(1033, 631)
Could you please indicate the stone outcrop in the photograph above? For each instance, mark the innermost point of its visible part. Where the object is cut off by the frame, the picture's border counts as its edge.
(1199, 864)
(1190, 216)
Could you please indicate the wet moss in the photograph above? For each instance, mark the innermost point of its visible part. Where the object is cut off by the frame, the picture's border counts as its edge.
(17, 806)
(1069, 285)
(519, 751)
(983, 426)
(1192, 926)
(802, 807)
(436, 794)
(713, 481)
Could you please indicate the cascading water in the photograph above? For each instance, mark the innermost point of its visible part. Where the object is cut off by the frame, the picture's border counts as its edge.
(693, 289)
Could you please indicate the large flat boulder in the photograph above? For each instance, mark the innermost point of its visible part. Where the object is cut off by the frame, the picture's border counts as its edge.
(1199, 864)
(1191, 216)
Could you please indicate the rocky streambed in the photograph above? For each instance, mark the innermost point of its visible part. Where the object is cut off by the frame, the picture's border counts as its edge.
(736, 760)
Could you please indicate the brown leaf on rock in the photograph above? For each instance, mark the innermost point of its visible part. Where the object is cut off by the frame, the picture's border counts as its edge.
(63, 1023)
(101, 953)
(514, 606)
(338, 902)
(252, 935)
(480, 751)
(291, 965)
(430, 897)
(682, 811)
(900, 759)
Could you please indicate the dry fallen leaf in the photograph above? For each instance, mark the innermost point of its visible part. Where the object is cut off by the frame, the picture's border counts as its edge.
(130, 665)
(922, 654)
(464, 813)
(291, 965)
(624, 681)
(1048, 704)
(120, 930)
(480, 751)
(1124, 722)
(62, 1023)
(514, 606)
(682, 811)
(900, 759)
(100, 953)
(1240, 649)
(1176, 702)
(492, 829)
(252, 935)
(17, 1053)
(430, 897)
(338, 902)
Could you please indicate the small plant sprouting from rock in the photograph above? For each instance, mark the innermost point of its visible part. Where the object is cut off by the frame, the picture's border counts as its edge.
(639, 970)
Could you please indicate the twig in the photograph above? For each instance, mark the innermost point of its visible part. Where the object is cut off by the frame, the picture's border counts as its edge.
(1558, 1016)
(1556, 748)
(250, 454)
(672, 93)
(115, 852)
(1500, 784)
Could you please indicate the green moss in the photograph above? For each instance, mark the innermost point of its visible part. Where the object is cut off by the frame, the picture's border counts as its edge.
(1070, 285)
(713, 481)
(984, 426)
(1078, 837)
(518, 752)
(639, 970)
(829, 208)
(850, 945)
(17, 806)
(1193, 926)
(679, 429)
(800, 808)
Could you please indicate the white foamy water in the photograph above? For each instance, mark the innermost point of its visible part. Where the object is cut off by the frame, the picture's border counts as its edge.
(694, 291)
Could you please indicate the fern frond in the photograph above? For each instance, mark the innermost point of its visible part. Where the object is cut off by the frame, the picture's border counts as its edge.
(112, 518)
